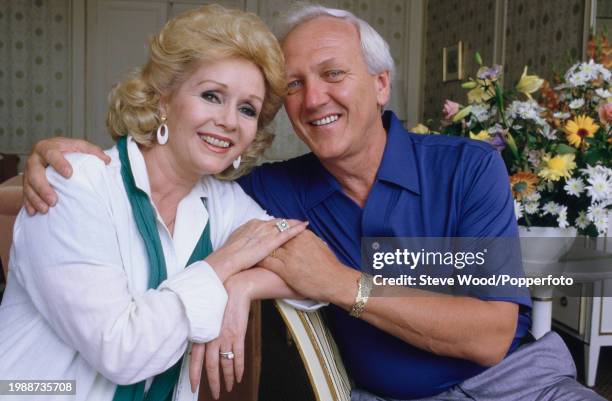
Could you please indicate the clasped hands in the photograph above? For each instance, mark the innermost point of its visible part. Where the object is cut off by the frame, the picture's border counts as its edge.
(305, 263)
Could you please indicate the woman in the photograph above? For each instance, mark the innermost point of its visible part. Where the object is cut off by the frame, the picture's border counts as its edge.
(110, 286)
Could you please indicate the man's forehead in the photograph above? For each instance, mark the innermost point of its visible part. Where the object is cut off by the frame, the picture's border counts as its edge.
(321, 35)
(321, 29)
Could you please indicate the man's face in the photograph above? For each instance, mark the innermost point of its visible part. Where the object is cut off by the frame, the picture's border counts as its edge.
(333, 102)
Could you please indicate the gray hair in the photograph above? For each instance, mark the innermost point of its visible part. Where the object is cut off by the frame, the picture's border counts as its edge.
(375, 49)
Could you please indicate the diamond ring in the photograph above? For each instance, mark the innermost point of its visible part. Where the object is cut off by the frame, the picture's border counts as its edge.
(282, 225)
(226, 355)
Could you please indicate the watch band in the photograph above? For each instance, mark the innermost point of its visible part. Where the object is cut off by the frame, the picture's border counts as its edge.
(364, 287)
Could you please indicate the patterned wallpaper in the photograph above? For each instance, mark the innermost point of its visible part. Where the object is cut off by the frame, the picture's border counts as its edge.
(34, 71)
(449, 21)
(543, 34)
(604, 17)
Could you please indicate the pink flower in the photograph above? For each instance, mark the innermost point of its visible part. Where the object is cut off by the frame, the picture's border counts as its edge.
(605, 113)
(450, 109)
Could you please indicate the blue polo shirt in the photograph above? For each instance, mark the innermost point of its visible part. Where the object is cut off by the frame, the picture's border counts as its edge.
(426, 186)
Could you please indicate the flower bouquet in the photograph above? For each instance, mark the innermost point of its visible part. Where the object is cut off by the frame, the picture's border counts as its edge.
(557, 149)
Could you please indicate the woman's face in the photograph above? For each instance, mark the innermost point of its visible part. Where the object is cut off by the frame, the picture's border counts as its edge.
(212, 116)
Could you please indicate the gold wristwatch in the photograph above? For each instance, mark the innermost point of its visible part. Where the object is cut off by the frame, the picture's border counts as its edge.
(364, 287)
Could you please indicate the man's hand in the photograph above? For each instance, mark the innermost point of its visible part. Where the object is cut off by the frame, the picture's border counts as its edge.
(250, 243)
(308, 266)
(37, 193)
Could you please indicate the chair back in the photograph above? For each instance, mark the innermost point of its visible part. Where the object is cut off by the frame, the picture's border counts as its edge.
(319, 353)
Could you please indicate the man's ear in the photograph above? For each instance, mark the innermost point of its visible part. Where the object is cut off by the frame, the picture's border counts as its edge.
(383, 88)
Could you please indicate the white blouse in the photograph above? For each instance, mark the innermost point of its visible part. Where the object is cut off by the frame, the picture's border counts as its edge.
(77, 306)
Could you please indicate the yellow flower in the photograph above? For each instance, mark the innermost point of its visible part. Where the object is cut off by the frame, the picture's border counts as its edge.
(556, 167)
(529, 83)
(579, 128)
(478, 94)
(420, 129)
(481, 136)
(522, 184)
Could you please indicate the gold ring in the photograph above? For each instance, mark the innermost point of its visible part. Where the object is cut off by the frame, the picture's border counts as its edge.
(273, 253)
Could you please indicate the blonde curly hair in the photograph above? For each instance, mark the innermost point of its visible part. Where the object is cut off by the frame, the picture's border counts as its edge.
(206, 33)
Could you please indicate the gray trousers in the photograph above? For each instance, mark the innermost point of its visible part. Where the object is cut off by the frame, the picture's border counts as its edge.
(540, 371)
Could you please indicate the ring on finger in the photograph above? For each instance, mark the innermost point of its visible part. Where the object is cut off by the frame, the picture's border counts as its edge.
(282, 225)
(226, 354)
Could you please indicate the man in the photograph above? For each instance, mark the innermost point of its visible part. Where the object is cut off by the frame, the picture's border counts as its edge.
(366, 176)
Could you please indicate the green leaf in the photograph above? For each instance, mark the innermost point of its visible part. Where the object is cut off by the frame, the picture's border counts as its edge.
(593, 156)
(478, 58)
(512, 146)
(563, 149)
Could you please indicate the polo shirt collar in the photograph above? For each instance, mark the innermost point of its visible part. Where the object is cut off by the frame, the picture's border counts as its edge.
(321, 184)
(398, 165)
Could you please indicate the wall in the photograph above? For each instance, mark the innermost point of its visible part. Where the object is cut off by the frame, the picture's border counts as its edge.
(448, 21)
(544, 34)
(59, 58)
(35, 52)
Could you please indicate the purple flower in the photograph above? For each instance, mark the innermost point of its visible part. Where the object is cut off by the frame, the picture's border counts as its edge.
(498, 142)
(491, 73)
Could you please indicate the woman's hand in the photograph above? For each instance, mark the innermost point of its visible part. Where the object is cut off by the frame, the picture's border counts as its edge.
(37, 193)
(231, 339)
(250, 243)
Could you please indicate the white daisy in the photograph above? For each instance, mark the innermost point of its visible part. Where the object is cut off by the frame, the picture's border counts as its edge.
(531, 207)
(596, 212)
(576, 103)
(577, 80)
(581, 221)
(562, 116)
(574, 186)
(532, 197)
(480, 112)
(551, 208)
(603, 93)
(529, 110)
(518, 209)
(548, 133)
(562, 218)
(602, 226)
(600, 188)
(597, 169)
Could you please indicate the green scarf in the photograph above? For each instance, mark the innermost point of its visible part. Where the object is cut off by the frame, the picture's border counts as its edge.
(163, 384)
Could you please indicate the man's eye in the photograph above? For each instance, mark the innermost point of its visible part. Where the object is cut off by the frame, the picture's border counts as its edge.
(335, 75)
(248, 111)
(293, 85)
(210, 97)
